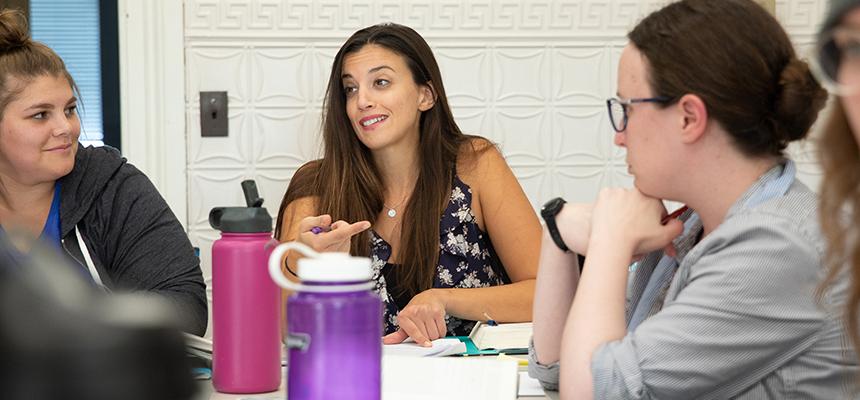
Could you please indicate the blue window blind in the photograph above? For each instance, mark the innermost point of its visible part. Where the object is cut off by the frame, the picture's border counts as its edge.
(71, 28)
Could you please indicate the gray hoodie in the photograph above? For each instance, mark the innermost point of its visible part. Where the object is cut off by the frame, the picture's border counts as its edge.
(134, 240)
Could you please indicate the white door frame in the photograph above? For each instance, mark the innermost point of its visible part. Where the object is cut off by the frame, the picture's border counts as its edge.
(152, 95)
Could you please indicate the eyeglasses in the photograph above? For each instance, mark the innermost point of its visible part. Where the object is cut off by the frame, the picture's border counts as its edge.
(838, 50)
(618, 109)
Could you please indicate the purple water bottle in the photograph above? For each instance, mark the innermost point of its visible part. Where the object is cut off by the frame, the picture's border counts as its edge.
(246, 353)
(334, 325)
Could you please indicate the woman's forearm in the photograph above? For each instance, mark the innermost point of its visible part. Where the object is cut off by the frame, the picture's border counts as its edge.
(597, 314)
(574, 226)
(505, 303)
(558, 275)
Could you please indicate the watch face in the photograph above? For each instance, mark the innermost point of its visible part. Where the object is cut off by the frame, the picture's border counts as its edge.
(552, 207)
(548, 212)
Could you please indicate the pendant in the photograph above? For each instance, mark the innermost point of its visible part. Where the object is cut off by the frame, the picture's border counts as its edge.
(391, 213)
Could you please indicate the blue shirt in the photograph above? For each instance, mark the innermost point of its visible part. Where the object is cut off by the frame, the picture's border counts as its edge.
(51, 231)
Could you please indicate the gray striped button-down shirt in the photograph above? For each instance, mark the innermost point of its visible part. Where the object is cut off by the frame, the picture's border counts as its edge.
(740, 318)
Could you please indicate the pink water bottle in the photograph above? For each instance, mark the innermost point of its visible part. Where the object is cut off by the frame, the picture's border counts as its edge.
(246, 354)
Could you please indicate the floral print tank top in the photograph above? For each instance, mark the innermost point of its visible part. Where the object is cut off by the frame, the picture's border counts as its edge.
(466, 260)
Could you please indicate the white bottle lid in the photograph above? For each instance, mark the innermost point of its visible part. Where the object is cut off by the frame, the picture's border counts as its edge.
(334, 267)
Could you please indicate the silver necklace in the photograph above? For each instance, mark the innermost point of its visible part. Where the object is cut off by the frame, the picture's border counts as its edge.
(392, 211)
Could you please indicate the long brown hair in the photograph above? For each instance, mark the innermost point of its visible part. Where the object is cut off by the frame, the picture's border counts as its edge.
(840, 203)
(346, 182)
(738, 59)
(24, 58)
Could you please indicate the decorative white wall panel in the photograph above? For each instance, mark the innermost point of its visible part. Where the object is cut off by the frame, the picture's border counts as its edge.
(530, 75)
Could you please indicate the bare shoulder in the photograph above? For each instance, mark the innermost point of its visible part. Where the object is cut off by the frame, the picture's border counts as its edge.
(478, 160)
(300, 195)
(303, 206)
(293, 213)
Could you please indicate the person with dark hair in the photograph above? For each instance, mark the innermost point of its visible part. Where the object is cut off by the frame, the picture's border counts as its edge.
(97, 209)
(721, 302)
(450, 232)
(838, 67)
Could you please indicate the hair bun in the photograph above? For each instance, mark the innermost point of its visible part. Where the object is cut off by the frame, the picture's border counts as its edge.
(13, 30)
(798, 102)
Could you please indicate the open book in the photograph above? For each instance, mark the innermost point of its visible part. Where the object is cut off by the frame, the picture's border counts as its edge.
(501, 338)
(483, 340)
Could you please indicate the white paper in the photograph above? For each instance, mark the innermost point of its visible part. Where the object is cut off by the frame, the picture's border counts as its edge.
(529, 387)
(440, 347)
(197, 342)
(449, 378)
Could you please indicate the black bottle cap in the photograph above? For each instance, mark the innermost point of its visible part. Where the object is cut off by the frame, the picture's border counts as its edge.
(251, 219)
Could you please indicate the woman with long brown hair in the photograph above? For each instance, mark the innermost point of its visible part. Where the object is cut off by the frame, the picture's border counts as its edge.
(837, 63)
(451, 234)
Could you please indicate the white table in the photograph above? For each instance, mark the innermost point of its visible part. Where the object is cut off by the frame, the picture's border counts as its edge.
(208, 393)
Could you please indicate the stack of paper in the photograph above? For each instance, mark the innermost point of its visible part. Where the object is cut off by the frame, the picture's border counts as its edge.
(202, 348)
(198, 346)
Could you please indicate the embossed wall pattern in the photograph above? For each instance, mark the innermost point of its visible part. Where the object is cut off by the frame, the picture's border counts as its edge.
(530, 75)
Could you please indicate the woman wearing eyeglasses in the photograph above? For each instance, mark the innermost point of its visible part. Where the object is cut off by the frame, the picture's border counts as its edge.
(721, 303)
(838, 67)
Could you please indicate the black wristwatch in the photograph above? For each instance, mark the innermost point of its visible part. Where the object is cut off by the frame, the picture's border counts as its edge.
(548, 212)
